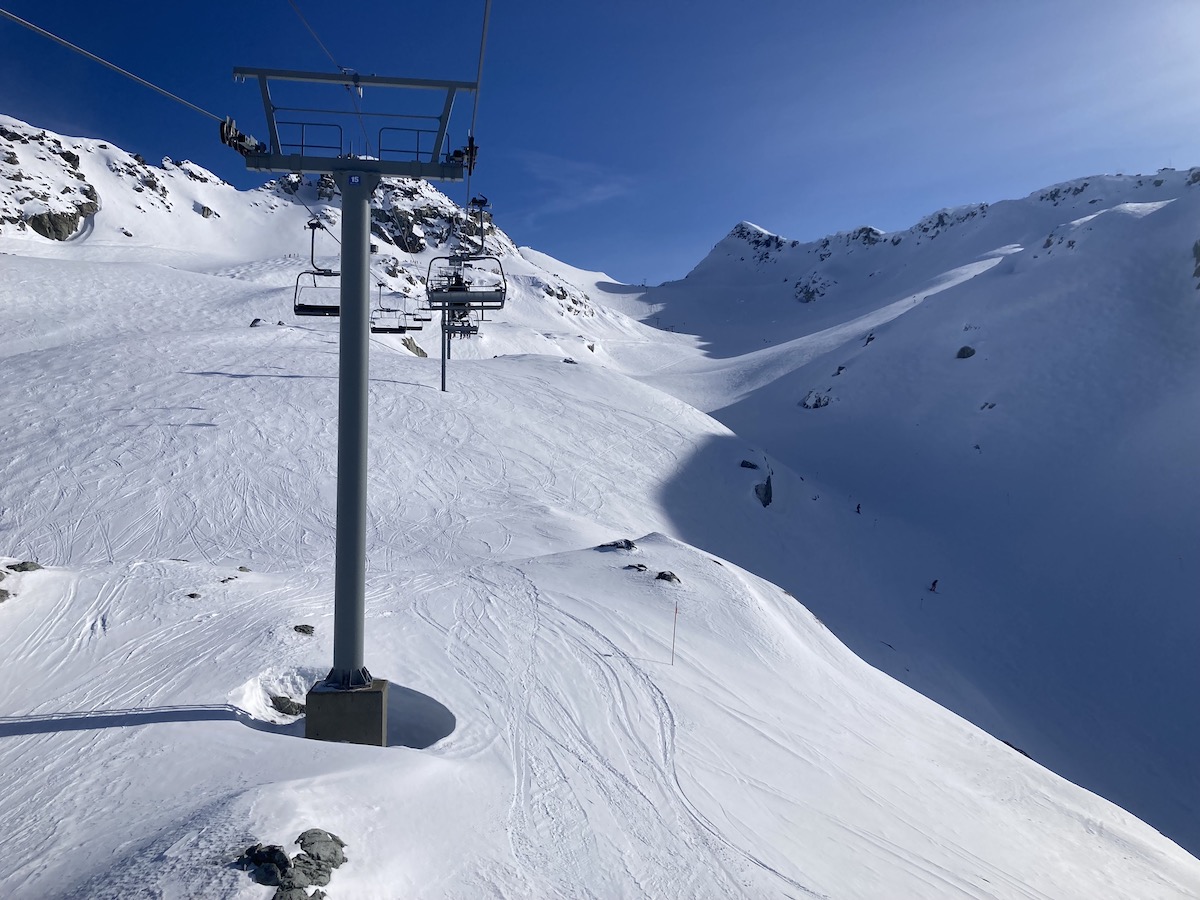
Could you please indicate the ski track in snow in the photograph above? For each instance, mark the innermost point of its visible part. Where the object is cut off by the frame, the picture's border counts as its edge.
(560, 774)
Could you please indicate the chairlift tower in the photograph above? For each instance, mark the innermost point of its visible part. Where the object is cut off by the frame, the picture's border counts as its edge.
(350, 705)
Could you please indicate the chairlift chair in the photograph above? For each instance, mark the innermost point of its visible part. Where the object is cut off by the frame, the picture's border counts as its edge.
(470, 282)
(387, 323)
(311, 305)
(391, 319)
(462, 327)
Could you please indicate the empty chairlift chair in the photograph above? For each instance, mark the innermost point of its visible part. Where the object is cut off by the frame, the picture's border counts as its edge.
(391, 320)
(316, 299)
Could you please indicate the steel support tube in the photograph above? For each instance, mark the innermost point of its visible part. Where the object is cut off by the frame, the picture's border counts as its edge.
(349, 604)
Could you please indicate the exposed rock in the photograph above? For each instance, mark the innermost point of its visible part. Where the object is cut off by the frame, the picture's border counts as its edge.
(303, 629)
(931, 226)
(380, 232)
(965, 352)
(816, 400)
(570, 361)
(414, 348)
(27, 566)
(207, 212)
(866, 235)
(667, 576)
(637, 567)
(622, 544)
(746, 464)
(1015, 747)
(323, 846)
(298, 894)
(243, 568)
(266, 865)
(193, 596)
(4, 595)
(287, 705)
(321, 853)
(326, 187)
(256, 323)
(763, 492)
(57, 226)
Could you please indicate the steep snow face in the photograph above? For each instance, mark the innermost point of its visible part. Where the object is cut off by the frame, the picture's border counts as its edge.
(1009, 395)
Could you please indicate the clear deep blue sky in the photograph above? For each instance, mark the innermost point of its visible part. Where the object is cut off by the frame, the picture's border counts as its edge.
(631, 136)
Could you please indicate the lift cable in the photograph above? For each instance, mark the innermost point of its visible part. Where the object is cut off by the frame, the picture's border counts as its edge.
(343, 69)
(487, 14)
(320, 44)
(92, 56)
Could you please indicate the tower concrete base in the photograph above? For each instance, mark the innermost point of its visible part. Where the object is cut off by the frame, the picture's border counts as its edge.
(357, 716)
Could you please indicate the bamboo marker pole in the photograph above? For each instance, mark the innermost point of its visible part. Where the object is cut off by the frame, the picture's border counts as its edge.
(674, 627)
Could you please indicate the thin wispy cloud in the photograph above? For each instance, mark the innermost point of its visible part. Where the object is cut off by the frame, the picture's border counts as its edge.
(558, 185)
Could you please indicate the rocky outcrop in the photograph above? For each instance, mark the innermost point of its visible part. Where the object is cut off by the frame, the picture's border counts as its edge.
(816, 400)
(320, 853)
(414, 348)
(764, 492)
(41, 186)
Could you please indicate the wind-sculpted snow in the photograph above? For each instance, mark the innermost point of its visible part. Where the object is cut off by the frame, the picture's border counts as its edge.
(173, 469)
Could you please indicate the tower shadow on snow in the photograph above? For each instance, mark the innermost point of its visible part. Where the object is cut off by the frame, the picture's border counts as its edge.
(415, 720)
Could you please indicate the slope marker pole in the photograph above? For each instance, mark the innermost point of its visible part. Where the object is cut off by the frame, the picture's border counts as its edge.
(674, 627)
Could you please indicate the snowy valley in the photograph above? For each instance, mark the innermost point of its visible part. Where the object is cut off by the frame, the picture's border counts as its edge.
(795, 432)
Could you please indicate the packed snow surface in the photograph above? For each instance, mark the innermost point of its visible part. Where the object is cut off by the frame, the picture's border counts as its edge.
(564, 722)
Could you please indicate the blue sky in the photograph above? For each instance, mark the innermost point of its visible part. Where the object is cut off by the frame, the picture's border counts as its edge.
(630, 137)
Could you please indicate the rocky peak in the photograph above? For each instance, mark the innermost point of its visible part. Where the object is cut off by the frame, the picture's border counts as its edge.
(41, 186)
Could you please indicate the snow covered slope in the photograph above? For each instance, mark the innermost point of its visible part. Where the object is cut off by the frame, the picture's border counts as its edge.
(173, 470)
(1048, 481)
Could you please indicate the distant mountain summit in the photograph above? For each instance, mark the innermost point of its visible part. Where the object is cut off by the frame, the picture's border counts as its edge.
(754, 255)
